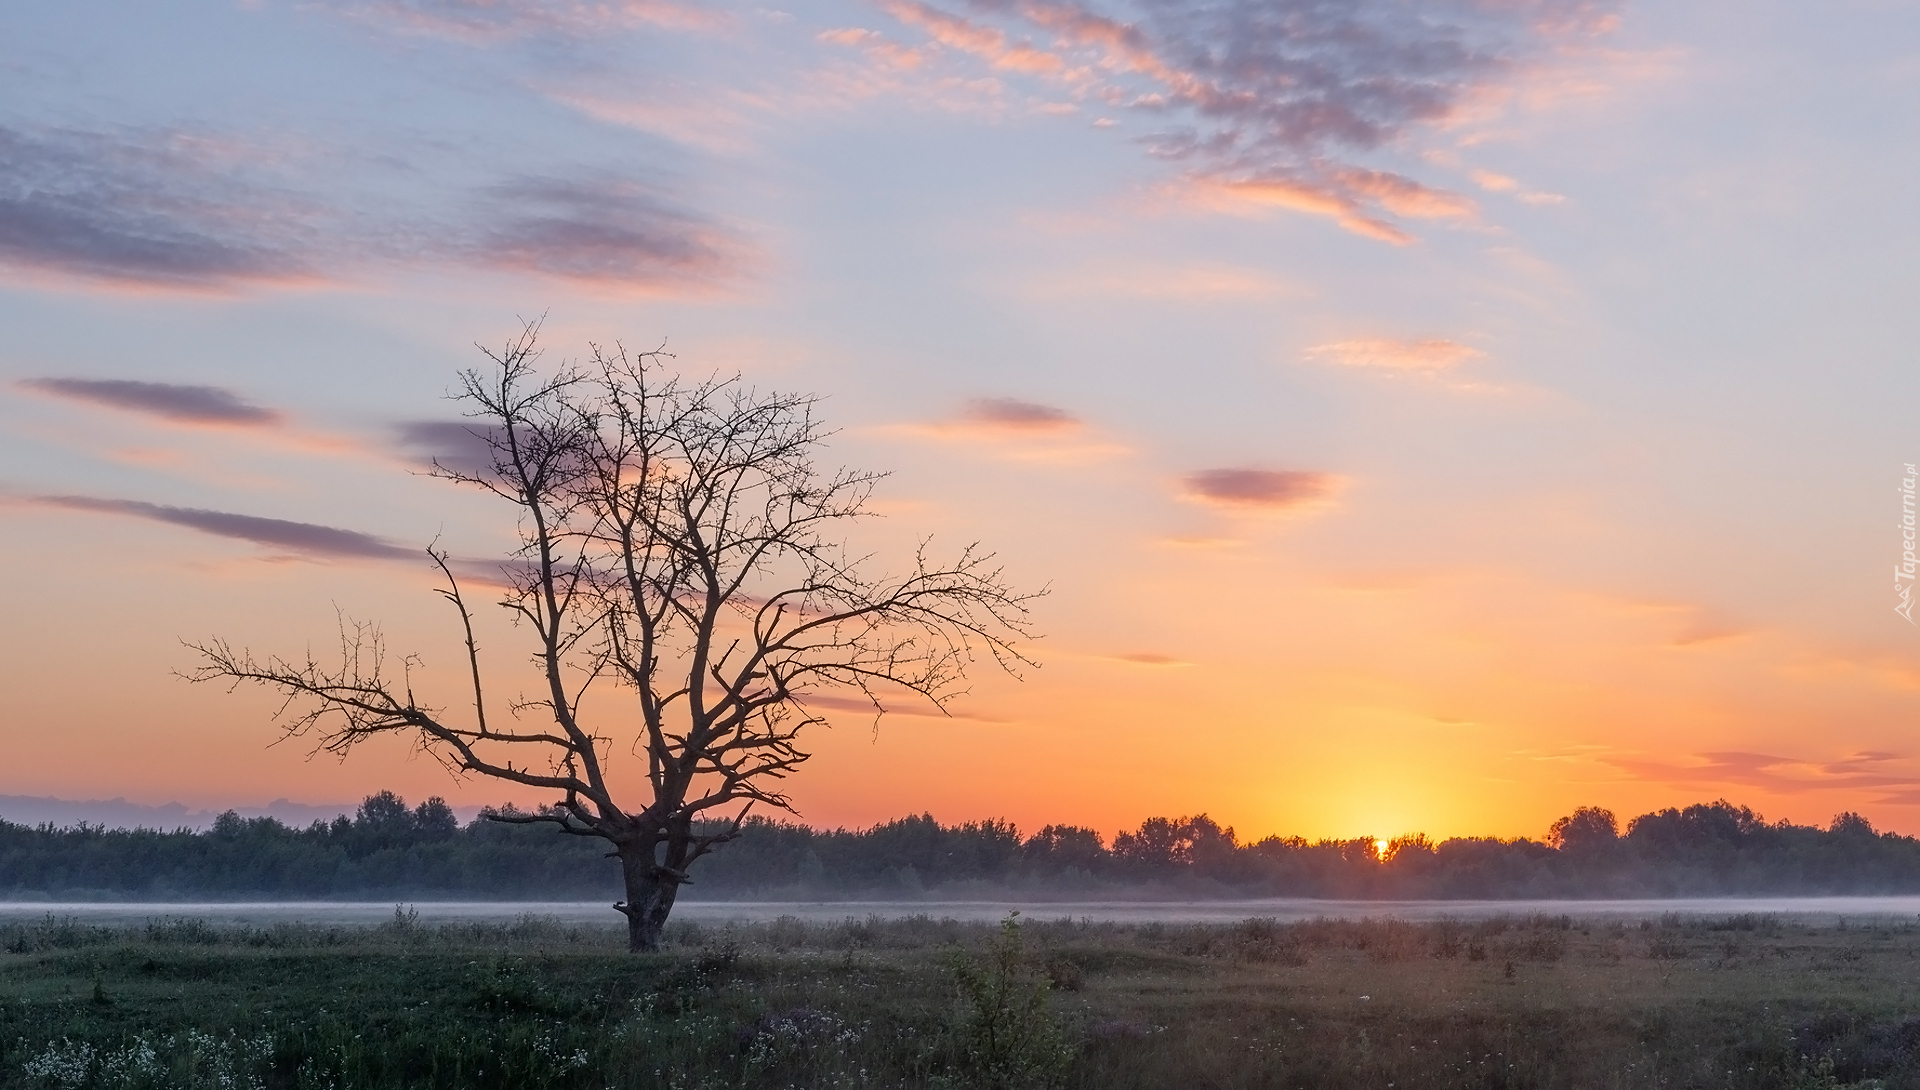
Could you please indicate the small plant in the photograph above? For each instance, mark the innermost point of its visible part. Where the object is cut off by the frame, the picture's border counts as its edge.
(802, 1041)
(1008, 1037)
(63, 1065)
(404, 922)
(230, 1062)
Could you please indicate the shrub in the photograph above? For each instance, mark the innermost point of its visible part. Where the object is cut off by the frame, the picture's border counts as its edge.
(1008, 1038)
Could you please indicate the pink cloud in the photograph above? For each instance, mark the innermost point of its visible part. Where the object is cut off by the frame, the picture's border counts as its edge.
(985, 42)
(1500, 183)
(1300, 196)
(1017, 415)
(486, 21)
(1018, 430)
(1159, 280)
(1494, 183)
(1402, 196)
(1429, 355)
(1260, 489)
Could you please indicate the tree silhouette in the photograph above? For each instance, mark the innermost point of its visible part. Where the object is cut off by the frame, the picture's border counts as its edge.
(678, 542)
(1586, 829)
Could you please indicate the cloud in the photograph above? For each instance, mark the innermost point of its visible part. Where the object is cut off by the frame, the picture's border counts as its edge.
(461, 446)
(1276, 101)
(184, 404)
(1297, 196)
(986, 42)
(1500, 183)
(486, 21)
(721, 122)
(1494, 183)
(176, 211)
(1430, 356)
(1160, 281)
(150, 209)
(608, 232)
(1015, 415)
(1019, 430)
(1260, 488)
(1700, 635)
(1779, 775)
(1196, 542)
(1147, 658)
(916, 707)
(303, 538)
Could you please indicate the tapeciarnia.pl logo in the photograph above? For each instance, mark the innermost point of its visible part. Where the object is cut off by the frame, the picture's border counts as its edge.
(1903, 572)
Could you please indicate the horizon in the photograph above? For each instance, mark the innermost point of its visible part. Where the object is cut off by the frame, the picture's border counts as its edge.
(297, 815)
(1430, 422)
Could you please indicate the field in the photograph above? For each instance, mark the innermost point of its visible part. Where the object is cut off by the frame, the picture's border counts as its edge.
(1544, 1001)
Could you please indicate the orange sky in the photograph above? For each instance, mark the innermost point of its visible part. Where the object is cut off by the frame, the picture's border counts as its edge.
(1481, 442)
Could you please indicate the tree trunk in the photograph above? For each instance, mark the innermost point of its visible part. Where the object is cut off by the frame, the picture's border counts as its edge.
(650, 894)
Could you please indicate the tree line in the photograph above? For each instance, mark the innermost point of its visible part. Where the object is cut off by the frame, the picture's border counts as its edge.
(390, 849)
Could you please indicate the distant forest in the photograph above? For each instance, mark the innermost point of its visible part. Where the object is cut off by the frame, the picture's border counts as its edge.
(388, 849)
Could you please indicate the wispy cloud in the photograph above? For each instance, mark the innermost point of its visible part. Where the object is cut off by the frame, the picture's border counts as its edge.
(487, 21)
(1430, 355)
(1704, 634)
(1160, 281)
(1260, 489)
(303, 538)
(607, 232)
(146, 209)
(721, 121)
(1016, 415)
(1269, 101)
(169, 210)
(1500, 183)
(169, 401)
(1148, 658)
(984, 41)
(913, 706)
(1199, 543)
(1775, 774)
(1019, 430)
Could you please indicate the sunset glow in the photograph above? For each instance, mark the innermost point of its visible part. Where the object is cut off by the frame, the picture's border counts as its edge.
(1459, 442)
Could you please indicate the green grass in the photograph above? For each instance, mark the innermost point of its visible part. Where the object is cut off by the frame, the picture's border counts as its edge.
(1542, 1002)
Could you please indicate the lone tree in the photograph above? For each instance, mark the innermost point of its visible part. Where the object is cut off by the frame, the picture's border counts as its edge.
(678, 542)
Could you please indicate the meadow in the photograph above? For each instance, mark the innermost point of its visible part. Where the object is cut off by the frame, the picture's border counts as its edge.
(1539, 1001)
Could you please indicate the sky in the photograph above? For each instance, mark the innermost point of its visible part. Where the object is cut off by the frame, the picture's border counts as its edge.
(1424, 415)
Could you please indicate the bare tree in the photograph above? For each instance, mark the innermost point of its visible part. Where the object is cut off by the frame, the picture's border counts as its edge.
(678, 543)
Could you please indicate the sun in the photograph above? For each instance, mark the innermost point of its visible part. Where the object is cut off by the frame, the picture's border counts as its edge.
(1379, 848)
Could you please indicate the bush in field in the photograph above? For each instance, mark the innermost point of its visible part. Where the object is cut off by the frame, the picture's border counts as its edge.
(1008, 1037)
